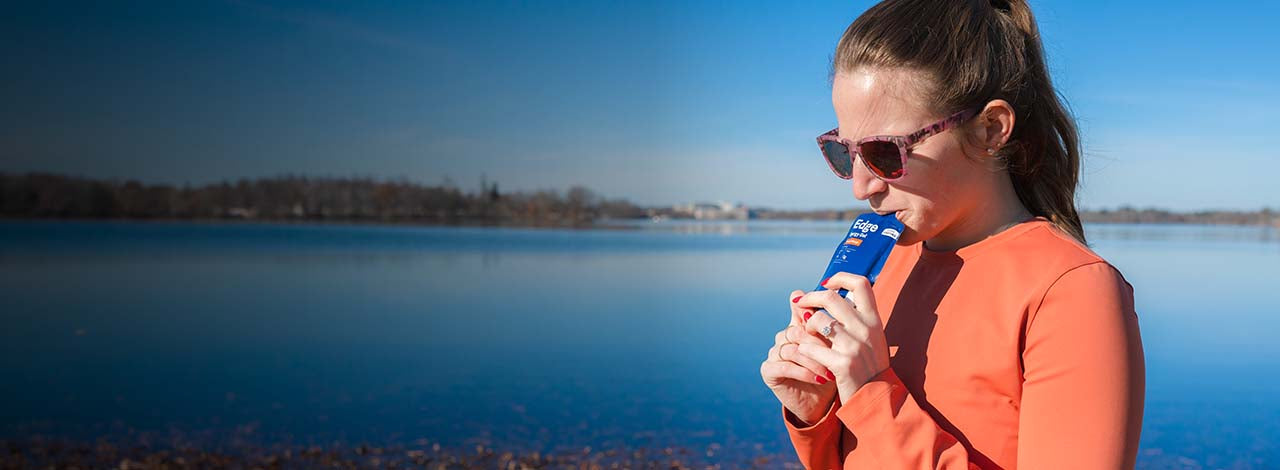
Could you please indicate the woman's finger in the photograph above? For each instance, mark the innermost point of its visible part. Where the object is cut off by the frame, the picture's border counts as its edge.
(831, 301)
(801, 334)
(842, 336)
(788, 352)
(860, 295)
(829, 358)
(797, 312)
(788, 369)
(797, 334)
(793, 334)
(784, 348)
(773, 354)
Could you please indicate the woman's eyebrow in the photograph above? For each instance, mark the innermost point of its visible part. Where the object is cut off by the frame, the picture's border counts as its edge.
(862, 119)
(907, 130)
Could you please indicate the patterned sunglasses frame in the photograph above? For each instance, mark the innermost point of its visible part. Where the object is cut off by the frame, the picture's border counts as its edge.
(902, 142)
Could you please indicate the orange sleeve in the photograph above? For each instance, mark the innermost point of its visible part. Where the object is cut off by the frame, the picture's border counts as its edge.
(818, 445)
(892, 428)
(1083, 374)
(887, 423)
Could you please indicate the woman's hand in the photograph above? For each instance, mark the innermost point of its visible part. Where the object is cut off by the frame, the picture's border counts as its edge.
(800, 383)
(858, 350)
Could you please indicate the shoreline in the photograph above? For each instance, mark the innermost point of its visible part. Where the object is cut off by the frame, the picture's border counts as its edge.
(148, 452)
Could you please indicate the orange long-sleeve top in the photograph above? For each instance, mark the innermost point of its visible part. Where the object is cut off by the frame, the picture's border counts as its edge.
(1020, 350)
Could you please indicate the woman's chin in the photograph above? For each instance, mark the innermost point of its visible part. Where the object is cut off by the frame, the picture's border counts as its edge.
(908, 237)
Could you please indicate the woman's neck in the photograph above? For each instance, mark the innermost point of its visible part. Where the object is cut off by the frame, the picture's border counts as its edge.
(996, 212)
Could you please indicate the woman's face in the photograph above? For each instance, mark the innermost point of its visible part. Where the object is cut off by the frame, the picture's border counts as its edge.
(940, 184)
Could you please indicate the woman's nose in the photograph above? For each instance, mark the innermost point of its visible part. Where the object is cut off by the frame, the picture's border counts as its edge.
(865, 183)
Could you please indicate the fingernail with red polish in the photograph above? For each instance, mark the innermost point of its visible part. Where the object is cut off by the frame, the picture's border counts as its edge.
(820, 379)
(824, 281)
(830, 375)
(797, 299)
(807, 315)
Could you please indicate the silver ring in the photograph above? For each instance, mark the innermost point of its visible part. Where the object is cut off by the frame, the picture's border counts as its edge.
(827, 330)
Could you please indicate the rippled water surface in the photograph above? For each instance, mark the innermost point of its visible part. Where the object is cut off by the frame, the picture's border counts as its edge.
(650, 335)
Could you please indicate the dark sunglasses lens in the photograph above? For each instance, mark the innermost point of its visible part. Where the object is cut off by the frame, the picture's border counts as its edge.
(883, 158)
(838, 156)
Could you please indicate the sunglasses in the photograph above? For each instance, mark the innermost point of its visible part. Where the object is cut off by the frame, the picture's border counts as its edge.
(884, 155)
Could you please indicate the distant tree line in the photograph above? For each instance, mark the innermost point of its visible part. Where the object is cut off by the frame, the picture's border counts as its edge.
(1121, 215)
(818, 214)
(1131, 215)
(43, 195)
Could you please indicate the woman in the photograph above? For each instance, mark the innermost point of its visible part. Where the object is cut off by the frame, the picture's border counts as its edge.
(993, 337)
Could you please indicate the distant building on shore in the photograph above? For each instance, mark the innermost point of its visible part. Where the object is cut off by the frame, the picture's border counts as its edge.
(718, 211)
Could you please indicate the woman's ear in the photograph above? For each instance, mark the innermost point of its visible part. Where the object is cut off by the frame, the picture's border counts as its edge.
(995, 125)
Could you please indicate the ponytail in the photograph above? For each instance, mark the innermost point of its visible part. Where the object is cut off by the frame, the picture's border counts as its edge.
(1047, 169)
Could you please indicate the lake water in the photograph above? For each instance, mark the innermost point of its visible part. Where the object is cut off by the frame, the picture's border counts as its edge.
(533, 339)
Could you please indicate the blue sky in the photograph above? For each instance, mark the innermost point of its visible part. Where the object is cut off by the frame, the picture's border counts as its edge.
(657, 102)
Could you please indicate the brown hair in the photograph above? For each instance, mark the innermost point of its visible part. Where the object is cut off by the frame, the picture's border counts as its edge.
(974, 51)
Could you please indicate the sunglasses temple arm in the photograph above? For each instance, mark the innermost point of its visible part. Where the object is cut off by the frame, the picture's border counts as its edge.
(940, 126)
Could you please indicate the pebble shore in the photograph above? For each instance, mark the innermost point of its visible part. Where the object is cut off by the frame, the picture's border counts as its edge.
(61, 454)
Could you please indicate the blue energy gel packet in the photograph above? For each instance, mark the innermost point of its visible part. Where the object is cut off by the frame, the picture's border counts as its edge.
(866, 247)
